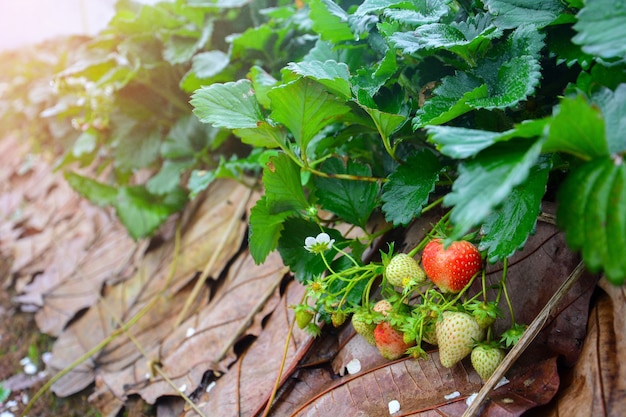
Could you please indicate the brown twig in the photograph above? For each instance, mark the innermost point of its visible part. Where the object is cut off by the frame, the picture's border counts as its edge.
(526, 339)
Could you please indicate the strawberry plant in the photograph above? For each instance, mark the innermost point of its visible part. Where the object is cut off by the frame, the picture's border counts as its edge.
(347, 112)
(399, 106)
(485, 108)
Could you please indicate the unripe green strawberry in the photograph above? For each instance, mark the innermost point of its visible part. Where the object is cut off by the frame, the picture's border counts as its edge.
(389, 341)
(383, 307)
(485, 359)
(403, 270)
(338, 318)
(362, 327)
(303, 317)
(429, 333)
(485, 313)
(457, 332)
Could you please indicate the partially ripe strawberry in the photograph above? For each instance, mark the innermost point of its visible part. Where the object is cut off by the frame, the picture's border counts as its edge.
(485, 359)
(383, 307)
(457, 333)
(389, 341)
(451, 269)
(363, 327)
(403, 269)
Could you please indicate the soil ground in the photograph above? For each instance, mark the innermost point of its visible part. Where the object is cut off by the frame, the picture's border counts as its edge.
(20, 338)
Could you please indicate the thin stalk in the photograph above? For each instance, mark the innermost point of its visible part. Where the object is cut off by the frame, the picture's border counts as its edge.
(268, 406)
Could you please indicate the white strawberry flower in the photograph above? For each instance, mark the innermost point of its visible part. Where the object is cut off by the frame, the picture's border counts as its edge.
(318, 244)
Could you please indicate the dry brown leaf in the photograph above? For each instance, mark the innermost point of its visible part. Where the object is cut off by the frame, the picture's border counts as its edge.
(422, 387)
(78, 267)
(246, 387)
(596, 385)
(206, 339)
(204, 233)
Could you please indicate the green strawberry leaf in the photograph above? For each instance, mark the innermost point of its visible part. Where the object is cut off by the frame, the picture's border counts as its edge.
(281, 178)
(513, 13)
(466, 39)
(139, 147)
(409, 186)
(352, 200)
(450, 100)
(412, 13)
(231, 105)
(577, 128)
(94, 191)
(168, 177)
(142, 212)
(592, 211)
(516, 80)
(188, 137)
(613, 106)
(460, 142)
(485, 181)
(501, 236)
(332, 74)
(305, 265)
(264, 135)
(234, 168)
(305, 107)
(377, 6)
(265, 229)
(330, 21)
(601, 28)
(262, 82)
(206, 65)
(386, 123)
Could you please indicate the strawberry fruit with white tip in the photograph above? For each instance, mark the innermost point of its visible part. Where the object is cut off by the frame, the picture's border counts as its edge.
(457, 333)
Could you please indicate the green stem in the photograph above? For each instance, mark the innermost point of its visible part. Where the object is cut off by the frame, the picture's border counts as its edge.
(428, 237)
(505, 291)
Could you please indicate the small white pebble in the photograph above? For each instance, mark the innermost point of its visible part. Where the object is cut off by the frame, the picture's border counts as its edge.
(25, 398)
(452, 395)
(190, 332)
(12, 405)
(210, 386)
(354, 366)
(25, 361)
(394, 406)
(182, 388)
(502, 382)
(7, 414)
(469, 400)
(46, 357)
(30, 369)
(147, 376)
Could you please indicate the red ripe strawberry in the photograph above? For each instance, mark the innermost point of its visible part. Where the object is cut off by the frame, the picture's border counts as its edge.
(457, 333)
(451, 269)
(389, 341)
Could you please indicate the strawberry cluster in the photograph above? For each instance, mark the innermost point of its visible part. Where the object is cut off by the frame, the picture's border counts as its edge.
(419, 305)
